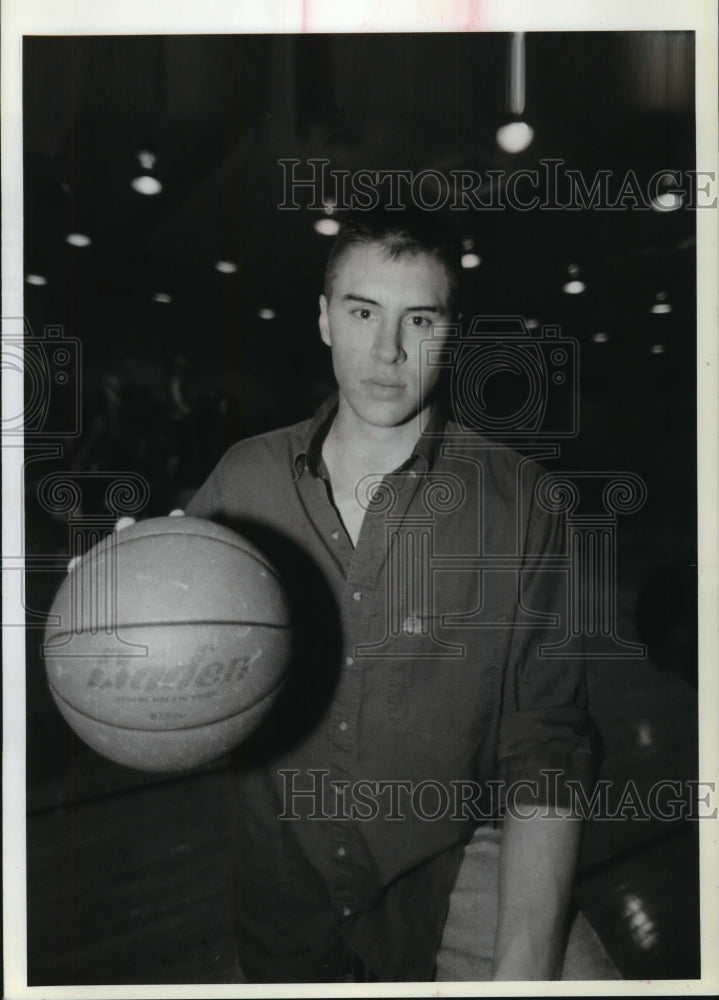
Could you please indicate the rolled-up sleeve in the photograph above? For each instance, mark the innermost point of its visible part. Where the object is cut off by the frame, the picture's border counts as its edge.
(547, 736)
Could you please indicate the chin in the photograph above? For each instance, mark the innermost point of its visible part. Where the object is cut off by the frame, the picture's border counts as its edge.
(398, 418)
(383, 413)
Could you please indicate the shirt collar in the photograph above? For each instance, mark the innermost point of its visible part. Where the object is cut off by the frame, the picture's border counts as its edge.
(427, 448)
(308, 454)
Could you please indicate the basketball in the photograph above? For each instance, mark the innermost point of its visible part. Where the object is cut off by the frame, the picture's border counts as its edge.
(167, 643)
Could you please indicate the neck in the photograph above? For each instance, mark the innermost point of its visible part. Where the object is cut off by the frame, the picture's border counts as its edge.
(365, 446)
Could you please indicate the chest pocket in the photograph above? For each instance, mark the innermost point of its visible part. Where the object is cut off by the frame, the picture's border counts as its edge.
(443, 662)
(444, 680)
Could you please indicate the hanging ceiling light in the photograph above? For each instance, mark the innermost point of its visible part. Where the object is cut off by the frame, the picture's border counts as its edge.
(645, 736)
(661, 305)
(225, 266)
(600, 337)
(574, 286)
(146, 159)
(36, 279)
(327, 227)
(78, 240)
(469, 258)
(146, 183)
(515, 135)
(667, 199)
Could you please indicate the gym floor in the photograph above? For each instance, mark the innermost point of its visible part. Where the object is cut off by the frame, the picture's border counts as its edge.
(128, 877)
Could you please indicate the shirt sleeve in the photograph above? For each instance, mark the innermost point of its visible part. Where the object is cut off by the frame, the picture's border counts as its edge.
(210, 500)
(546, 734)
(204, 502)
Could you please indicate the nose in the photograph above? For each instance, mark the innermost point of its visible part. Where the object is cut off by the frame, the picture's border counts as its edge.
(387, 345)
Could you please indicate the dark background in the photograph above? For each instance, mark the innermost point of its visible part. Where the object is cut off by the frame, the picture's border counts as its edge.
(164, 387)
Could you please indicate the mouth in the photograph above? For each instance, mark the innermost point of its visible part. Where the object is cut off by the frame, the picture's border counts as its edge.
(383, 384)
(382, 391)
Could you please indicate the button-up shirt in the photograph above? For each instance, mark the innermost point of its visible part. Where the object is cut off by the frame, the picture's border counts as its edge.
(416, 693)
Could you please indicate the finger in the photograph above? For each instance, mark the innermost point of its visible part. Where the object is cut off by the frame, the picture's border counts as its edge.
(73, 563)
(123, 522)
(176, 513)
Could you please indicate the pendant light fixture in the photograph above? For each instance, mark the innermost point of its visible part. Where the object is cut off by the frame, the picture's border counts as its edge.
(516, 134)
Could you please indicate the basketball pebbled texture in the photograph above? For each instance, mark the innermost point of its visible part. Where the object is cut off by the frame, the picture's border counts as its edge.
(167, 643)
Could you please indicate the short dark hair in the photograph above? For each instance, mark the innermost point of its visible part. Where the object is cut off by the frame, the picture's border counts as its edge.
(399, 233)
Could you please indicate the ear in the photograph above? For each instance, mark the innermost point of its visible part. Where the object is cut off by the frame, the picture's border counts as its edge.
(324, 322)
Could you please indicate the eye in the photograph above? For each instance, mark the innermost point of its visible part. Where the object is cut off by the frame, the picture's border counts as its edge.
(362, 313)
(419, 322)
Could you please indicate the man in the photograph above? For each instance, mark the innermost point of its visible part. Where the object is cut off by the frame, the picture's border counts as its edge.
(417, 679)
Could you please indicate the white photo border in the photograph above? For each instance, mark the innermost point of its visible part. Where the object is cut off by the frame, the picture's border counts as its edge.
(50, 17)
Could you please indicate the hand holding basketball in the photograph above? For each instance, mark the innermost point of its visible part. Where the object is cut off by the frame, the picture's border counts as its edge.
(122, 522)
(169, 643)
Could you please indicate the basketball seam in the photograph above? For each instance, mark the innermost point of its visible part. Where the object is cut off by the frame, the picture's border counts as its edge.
(157, 533)
(178, 624)
(176, 729)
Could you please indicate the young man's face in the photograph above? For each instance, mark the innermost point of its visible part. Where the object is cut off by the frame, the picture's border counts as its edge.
(380, 311)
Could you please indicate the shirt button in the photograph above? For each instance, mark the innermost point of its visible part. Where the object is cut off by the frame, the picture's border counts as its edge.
(357, 596)
(343, 725)
(349, 661)
(346, 911)
(341, 852)
(335, 535)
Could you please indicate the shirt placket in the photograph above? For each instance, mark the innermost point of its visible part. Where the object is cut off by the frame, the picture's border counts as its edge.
(361, 596)
(362, 568)
(348, 883)
(341, 737)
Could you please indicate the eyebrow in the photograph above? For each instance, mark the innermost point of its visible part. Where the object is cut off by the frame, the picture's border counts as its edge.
(361, 298)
